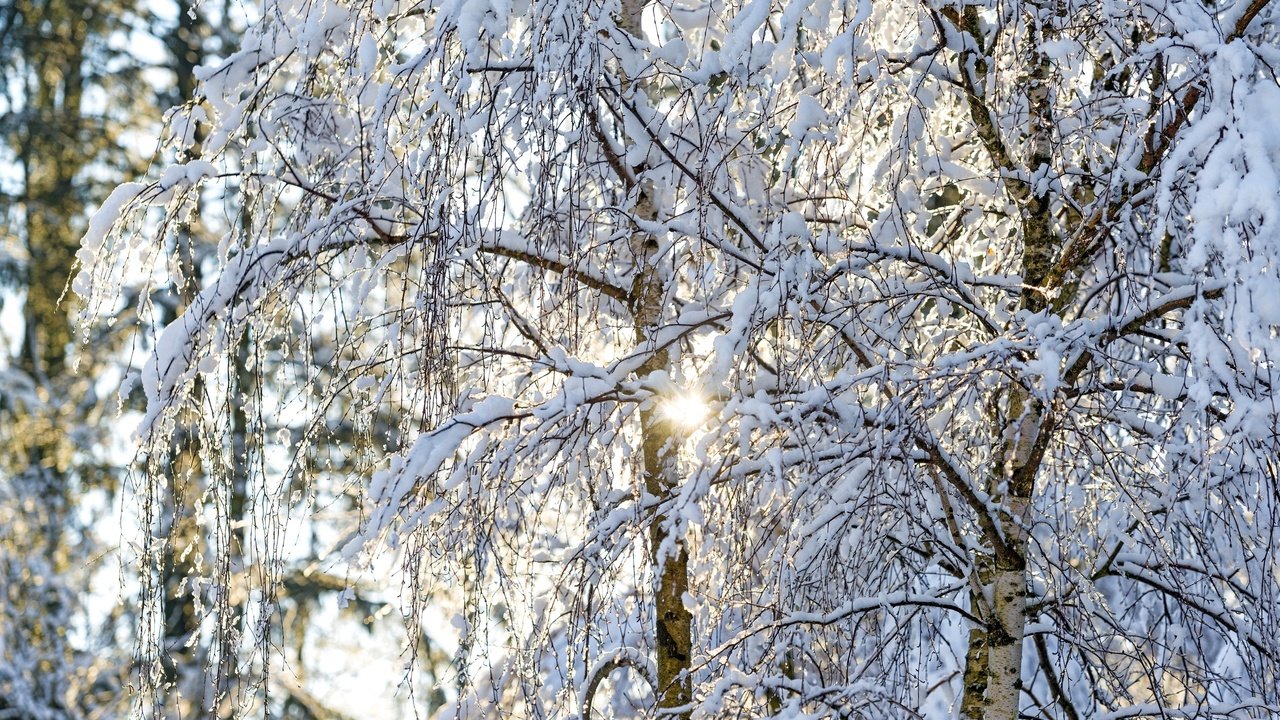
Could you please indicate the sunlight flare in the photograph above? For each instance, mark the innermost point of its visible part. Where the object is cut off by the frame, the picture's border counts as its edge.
(686, 409)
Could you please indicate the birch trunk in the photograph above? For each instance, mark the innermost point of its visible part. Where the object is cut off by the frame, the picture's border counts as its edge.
(993, 663)
(667, 552)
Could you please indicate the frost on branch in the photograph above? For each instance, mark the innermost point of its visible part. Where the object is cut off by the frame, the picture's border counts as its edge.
(980, 298)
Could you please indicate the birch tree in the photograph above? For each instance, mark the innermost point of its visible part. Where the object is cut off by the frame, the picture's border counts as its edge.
(791, 358)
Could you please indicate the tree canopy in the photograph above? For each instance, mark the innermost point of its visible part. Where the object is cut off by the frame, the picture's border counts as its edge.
(738, 359)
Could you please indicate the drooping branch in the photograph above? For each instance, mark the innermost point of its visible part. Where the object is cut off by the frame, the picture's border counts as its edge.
(621, 658)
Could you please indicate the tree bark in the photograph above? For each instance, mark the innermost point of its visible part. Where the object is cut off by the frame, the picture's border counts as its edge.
(993, 663)
(668, 554)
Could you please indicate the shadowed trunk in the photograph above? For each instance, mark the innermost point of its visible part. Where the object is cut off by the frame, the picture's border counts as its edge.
(667, 552)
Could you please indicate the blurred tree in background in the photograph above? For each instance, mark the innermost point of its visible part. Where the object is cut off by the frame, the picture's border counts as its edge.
(71, 95)
(85, 88)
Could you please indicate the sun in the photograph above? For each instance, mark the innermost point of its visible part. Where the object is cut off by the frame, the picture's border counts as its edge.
(687, 410)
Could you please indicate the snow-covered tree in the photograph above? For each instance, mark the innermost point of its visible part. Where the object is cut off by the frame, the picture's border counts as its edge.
(792, 358)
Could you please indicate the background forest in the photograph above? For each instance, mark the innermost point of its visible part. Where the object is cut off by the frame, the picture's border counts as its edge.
(87, 86)
(613, 358)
